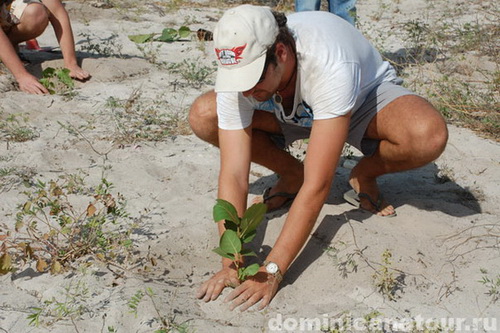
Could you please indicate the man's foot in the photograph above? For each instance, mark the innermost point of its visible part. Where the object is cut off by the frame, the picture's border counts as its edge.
(279, 196)
(355, 198)
(284, 197)
(366, 195)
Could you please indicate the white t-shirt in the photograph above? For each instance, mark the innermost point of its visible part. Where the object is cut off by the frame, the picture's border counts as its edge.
(337, 68)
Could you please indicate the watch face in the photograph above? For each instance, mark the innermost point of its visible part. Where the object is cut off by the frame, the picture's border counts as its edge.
(272, 268)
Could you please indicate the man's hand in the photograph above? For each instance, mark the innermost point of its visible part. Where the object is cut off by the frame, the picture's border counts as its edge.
(260, 287)
(30, 84)
(212, 288)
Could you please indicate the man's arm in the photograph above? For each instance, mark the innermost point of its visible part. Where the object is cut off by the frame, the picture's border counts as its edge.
(235, 156)
(60, 21)
(27, 82)
(323, 153)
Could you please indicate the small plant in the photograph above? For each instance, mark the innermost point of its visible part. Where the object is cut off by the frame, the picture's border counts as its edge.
(168, 35)
(57, 80)
(71, 306)
(135, 300)
(50, 229)
(346, 264)
(137, 119)
(167, 325)
(151, 53)
(15, 128)
(194, 73)
(238, 231)
(106, 47)
(493, 285)
(385, 282)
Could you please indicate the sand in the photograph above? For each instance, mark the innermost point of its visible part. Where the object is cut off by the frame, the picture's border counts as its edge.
(443, 241)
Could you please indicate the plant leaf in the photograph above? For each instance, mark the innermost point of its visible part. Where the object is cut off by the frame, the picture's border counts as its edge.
(65, 78)
(19, 224)
(55, 268)
(139, 39)
(229, 242)
(184, 32)
(168, 35)
(249, 237)
(41, 265)
(27, 206)
(230, 225)
(252, 218)
(91, 210)
(48, 72)
(224, 210)
(248, 253)
(219, 251)
(250, 270)
(5, 263)
(29, 251)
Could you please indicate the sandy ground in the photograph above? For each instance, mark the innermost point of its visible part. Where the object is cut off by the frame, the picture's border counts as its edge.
(443, 241)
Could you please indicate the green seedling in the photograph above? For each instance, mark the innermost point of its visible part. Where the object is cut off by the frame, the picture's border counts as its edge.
(166, 323)
(493, 285)
(70, 304)
(57, 80)
(168, 35)
(239, 231)
(16, 128)
(386, 283)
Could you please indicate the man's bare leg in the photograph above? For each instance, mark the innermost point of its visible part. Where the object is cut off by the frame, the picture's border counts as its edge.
(412, 133)
(203, 121)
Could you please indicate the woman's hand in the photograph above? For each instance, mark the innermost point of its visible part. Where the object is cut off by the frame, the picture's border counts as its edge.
(260, 287)
(211, 289)
(30, 84)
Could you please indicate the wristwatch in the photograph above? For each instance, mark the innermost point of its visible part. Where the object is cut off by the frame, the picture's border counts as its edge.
(273, 269)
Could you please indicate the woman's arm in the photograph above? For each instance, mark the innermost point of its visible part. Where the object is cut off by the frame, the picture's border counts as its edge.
(27, 82)
(60, 21)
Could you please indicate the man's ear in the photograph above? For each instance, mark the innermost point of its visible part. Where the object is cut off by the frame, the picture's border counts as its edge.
(282, 52)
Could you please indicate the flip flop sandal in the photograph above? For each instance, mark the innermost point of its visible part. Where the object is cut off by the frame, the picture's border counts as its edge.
(289, 198)
(354, 199)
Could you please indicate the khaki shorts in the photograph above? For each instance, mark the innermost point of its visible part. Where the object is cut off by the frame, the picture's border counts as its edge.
(376, 100)
(11, 15)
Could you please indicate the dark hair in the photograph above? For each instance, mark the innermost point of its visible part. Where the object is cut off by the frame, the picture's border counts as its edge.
(284, 36)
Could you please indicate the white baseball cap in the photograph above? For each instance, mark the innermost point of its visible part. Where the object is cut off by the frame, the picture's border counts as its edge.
(241, 39)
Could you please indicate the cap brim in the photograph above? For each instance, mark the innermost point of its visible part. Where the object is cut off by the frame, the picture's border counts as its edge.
(240, 78)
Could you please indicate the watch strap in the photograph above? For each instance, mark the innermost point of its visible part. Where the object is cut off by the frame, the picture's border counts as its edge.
(278, 275)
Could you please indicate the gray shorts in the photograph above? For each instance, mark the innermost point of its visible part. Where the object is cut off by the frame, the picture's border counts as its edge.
(376, 100)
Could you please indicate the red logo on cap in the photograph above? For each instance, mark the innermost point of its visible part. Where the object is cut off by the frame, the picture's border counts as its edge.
(230, 56)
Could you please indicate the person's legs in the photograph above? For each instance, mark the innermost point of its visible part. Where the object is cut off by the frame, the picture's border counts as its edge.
(203, 122)
(412, 133)
(34, 19)
(305, 5)
(344, 8)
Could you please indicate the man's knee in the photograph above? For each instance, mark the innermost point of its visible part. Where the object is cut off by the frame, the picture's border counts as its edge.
(429, 137)
(203, 117)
